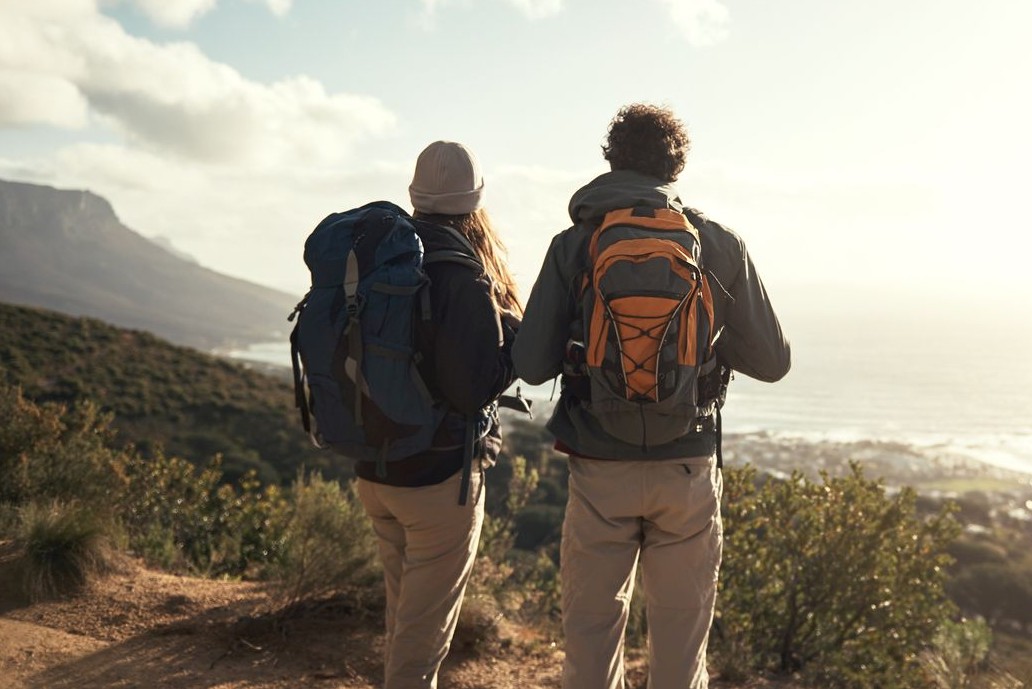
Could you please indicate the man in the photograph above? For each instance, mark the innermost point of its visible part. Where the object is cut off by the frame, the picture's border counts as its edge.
(655, 502)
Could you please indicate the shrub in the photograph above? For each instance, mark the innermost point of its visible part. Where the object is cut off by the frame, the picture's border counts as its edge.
(498, 536)
(836, 580)
(49, 452)
(959, 650)
(172, 513)
(181, 517)
(522, 582)
(65, 546)
(329, 545)
(256, 514)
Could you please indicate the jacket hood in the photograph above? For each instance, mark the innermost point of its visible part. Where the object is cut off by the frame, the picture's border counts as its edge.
(621, 189)
(437, 238)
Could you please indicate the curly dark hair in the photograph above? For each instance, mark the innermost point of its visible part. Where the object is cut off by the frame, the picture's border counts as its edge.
(648, 139)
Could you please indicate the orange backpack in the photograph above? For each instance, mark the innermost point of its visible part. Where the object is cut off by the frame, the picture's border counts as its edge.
(648, 325)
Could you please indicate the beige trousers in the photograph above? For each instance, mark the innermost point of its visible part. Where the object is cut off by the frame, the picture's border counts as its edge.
(427, 544)
(665, 514)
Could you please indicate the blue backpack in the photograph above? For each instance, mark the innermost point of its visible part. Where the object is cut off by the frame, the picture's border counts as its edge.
(355, 343)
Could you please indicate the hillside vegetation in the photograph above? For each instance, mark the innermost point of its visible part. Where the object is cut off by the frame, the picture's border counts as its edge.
(191, 404)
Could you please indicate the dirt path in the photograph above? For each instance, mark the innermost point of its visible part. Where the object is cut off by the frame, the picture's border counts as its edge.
(142, 630)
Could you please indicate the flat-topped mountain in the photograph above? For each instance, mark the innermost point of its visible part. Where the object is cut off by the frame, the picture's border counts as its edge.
(66, 250)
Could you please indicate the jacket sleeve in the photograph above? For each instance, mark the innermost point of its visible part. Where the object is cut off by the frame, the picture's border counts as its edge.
(752, 342)
(541, 342)
(472, 350)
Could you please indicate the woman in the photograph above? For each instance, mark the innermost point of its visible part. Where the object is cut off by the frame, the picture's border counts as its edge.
(427, 539)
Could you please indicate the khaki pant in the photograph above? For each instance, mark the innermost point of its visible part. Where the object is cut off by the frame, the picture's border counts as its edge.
(666, 515)
(427, 544)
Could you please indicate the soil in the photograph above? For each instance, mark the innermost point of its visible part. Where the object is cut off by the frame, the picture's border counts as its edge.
(142, 629)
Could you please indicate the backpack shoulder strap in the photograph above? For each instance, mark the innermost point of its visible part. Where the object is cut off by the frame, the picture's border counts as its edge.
(452, 256)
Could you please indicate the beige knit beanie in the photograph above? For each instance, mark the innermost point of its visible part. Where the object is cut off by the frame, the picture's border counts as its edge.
(447, 180)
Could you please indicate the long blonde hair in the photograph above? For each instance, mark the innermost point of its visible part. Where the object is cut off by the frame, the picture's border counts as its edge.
(481, 233)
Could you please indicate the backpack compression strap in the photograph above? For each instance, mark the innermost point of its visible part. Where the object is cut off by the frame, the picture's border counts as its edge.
(299, 383)
(300, 379)
(352, 330)
(467, 458)
(725, 374)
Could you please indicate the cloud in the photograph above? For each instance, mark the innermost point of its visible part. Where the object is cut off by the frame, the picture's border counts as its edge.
(176, 14)
(169, 98)
(537, 9)
(532, 9)
(30, 99)
(278, 7)
(703, 22)
(52, 9)
(179, 14)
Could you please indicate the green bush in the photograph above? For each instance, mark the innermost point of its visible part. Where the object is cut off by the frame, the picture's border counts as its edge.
(837, 580)
(180, 517)
(64, 546)
(329, 545)
(50, 452)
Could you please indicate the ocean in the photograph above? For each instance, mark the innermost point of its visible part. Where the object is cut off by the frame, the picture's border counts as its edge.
(928, 377)
(925, 380)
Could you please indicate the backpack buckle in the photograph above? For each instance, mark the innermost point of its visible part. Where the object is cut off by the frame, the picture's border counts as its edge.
(354, 305)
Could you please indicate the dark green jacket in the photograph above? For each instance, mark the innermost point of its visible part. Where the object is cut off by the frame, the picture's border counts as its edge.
(751, 341)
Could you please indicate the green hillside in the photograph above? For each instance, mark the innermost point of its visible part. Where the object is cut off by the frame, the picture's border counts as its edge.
(192, 404)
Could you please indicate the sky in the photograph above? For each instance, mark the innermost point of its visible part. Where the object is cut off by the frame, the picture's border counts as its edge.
(876, 147)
